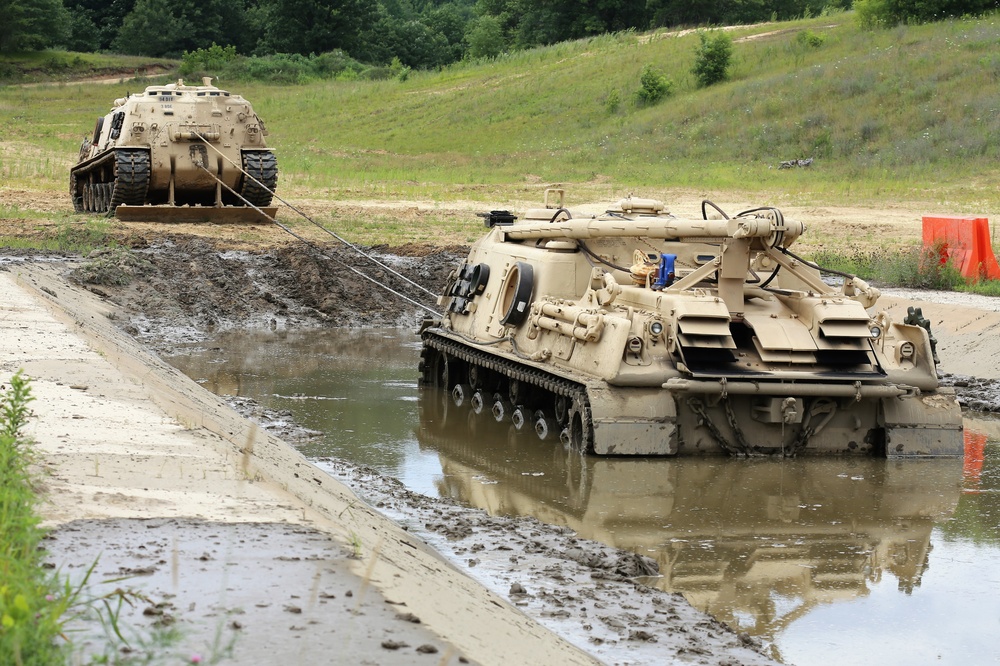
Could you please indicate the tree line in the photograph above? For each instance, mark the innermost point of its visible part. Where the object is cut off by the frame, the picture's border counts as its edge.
(419, 34)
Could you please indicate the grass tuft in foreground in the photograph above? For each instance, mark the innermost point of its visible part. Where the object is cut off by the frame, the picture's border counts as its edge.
(29, 610)
(37, 604)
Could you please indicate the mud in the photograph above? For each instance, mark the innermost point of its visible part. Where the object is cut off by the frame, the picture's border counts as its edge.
(175, 288)
(583, 590)
(185, 288)
(238, 592)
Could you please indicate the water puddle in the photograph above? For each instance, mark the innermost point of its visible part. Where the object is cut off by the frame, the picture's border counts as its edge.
(874, 561)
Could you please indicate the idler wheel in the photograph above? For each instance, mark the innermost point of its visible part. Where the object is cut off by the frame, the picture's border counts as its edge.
(441, 370)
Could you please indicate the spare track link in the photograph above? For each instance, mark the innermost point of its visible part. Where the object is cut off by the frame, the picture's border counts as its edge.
(262, 165)
(513, 370)
(131, 178)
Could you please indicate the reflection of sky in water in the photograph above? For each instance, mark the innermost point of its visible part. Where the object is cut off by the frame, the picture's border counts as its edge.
(952, 618)
(844, 561)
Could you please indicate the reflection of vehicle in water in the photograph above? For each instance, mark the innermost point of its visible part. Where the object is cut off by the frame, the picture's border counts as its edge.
(756, 543)
(636, 332)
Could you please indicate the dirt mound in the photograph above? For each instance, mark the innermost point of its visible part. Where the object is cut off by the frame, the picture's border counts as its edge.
(181, 288)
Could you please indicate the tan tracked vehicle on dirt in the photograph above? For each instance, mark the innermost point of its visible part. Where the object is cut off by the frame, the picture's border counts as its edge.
(177, 153)
(635, 332)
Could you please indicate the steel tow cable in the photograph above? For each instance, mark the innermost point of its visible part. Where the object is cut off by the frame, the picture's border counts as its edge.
(307, 218)
(320, 250)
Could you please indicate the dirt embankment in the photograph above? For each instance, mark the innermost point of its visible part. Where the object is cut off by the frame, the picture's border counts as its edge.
(181, 288)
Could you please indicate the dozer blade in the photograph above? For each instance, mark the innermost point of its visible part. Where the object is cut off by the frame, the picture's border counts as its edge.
(223, 215)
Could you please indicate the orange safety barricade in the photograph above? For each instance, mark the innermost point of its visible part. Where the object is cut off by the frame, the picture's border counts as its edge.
(965, 241)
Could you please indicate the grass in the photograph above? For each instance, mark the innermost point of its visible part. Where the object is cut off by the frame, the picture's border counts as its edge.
(909, 114)
(40, 609)
(904, 113)
(29, 610)
(915, 268)
(54, 66)
(73, 234)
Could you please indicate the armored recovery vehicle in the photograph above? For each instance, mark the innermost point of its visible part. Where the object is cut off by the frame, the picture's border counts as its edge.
(177, 153)
(635, 332)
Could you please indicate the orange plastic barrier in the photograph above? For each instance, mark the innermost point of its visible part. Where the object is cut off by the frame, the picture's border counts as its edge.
(965, 241)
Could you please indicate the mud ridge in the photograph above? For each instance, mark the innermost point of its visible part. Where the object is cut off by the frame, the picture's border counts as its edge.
(182, 289)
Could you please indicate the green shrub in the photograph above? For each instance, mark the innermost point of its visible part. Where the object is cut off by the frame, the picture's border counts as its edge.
(214, 59)
(713, 58)
(334, 64)
(399, 71)
(810, 39)
(654, 86)
(613, 101)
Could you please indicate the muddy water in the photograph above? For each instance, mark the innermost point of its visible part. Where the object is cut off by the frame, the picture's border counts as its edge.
(872, 561)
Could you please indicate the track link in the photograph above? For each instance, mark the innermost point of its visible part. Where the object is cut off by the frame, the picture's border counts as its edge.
(552, 384)
(262, 165)
(131, 178)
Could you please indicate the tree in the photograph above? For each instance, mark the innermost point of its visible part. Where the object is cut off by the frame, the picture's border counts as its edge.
(713, 58)
(317, 26)
(171, 27)
(30, 25)
(82, 32)
(450, 22)
(97, 20)
(485, 38)
(529, 23)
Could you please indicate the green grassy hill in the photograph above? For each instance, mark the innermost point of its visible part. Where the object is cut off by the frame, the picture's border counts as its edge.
(906, 114)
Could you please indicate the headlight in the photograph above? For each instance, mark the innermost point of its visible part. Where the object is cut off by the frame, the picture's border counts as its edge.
(876, 331)
(906, 350)
(656, 328)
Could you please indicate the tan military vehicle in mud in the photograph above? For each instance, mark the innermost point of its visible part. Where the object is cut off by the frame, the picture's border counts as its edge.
(635, 332)
(177, 153)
